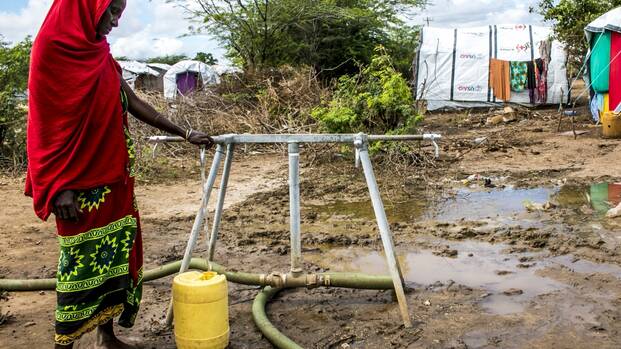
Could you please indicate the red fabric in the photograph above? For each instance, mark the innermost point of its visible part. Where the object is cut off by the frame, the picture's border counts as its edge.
(75, 130)
(615, 71)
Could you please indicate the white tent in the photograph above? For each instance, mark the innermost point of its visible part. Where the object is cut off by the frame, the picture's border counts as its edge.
(610, 20)
(159, 66)
(602, 60)
(133, 69)
(206, 74)
(452, 65)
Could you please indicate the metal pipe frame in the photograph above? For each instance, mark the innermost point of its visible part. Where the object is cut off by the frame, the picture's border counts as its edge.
(306, 138)
(198, 220)
(360, 142)
(211, 247)
(300, 138)
(294, 208)
(382, 222)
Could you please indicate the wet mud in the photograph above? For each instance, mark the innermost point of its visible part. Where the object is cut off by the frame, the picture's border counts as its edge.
(502, 245)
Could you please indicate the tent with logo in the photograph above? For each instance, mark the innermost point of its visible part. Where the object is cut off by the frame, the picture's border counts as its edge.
(452, 67)
(188, 76)
(604, 62)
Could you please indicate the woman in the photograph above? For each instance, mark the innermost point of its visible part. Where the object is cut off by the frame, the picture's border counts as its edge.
(81, 167)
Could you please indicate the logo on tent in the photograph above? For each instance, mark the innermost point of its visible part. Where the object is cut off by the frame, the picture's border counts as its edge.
(515, 27)
(479, 34)
(472, 88)
(523, 47)
(471, 56)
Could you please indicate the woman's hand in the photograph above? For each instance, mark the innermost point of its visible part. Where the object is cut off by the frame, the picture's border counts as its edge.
(66, 206)
(199, 138)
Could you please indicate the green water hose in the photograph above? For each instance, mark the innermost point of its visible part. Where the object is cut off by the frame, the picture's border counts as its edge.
(277, 338)
(18, 285)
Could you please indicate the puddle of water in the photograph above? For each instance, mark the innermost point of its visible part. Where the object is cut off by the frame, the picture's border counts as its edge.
(587, 267)
(468, 204)
(475, 205)
(506, 205)
(481, 270)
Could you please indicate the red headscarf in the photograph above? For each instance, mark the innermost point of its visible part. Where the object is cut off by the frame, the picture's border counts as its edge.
(75, 125)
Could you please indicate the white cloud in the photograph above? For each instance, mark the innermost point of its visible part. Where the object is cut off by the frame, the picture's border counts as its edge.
(147, 29)
(155, 28)
(471, 13)
(16, 26)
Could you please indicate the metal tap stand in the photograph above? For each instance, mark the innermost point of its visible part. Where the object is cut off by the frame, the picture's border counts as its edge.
(360, 142)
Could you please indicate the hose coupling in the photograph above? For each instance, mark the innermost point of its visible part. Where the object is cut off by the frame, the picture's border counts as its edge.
(276, 280)
(317, 280)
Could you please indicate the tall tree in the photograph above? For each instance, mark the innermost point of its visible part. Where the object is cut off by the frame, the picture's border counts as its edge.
(331, 35)
(569, 18)
(206, 58)
(169, 59)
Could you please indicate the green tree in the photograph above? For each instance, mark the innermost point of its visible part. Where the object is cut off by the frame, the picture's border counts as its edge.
(375, 100)
(569, 18)
(14, 65)
(168, 59)
(206, 58)
(334, 36)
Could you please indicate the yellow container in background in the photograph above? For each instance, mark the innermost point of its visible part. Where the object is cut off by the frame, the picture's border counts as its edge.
(200, 306)
(611, 125)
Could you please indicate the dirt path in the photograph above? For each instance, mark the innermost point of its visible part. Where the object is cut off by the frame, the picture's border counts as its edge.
(526, 260)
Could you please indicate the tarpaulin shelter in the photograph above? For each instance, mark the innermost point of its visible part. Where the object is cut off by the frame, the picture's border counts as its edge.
(188, 76)
(144, 76)
(452, 68)
(604, 61)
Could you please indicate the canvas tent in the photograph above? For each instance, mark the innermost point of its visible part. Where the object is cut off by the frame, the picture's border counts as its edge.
(452, 65)
(604, 62)
(144, 76)
(188, 76)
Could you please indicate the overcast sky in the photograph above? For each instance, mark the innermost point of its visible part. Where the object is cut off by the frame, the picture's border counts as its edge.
(155, 28)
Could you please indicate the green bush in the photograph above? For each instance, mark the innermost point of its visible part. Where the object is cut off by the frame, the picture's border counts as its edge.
(376, 100)
(14, 63)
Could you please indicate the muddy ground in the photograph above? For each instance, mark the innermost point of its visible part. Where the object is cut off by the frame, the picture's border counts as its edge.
(503, 243)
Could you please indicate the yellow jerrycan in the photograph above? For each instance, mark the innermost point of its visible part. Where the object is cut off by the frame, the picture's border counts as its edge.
(611, 125)
(200, 306)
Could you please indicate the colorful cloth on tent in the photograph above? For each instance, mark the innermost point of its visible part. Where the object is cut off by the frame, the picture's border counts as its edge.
(541, 75)
(499, 79)
(614, 85)
(531, 82)
(599, 62)
(100, 265)
(593, 106)
(519, 76)
(601, 100)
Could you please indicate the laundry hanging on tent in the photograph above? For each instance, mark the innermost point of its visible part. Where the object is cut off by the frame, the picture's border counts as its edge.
(614, 83)
(499, 76)
(531, 81)
(600, 61)
(594, 108)
(602, 101)
(519, 76)
(541, 75)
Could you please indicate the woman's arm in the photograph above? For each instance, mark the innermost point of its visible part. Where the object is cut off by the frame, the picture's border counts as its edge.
(147, 114)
